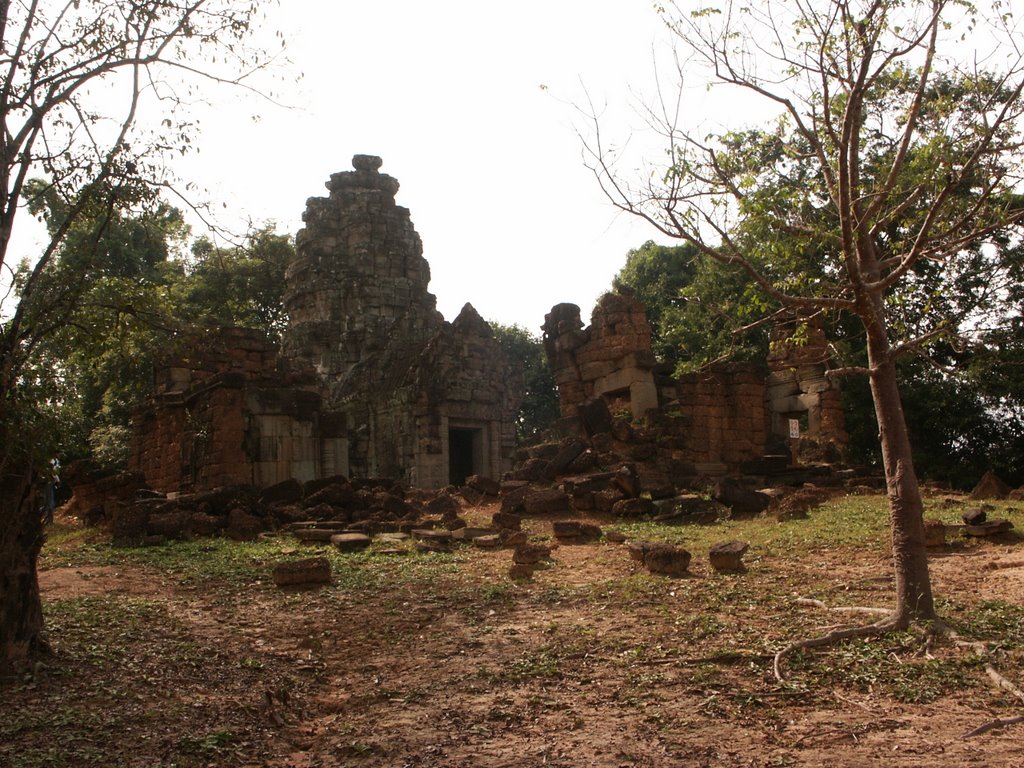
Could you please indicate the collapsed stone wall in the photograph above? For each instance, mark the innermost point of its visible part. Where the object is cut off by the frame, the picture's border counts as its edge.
(724, 408)
(722, 418)
(612, 358)
(226, 410)
(803, 405)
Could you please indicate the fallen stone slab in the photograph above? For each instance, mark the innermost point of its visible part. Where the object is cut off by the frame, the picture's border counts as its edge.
(546, 501)
(312, 570)
(934, 533)
(429, 534)
(988, 528)
(976, 516)
(435, 547)
(489, 541)
(314, 535)
(530, 554)
(660, 558)
(575, 531)
(350, 542)
(727, 556)
(632, 507)
(468, 533)
(506, 521)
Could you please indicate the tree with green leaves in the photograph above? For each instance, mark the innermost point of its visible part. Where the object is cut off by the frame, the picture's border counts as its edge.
(75, 77)
(892, 164)
(539, 409)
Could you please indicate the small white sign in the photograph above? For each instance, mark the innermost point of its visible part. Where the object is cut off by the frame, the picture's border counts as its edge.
(794, 428)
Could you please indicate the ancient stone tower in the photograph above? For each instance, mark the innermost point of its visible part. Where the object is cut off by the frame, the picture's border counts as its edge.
(359, 283)
(371, 380)
(421, 400)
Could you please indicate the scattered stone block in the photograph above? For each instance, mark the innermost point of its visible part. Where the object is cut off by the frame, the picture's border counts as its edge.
(727, 556)
(467, 534)
(484, 485)
(530, 554)
(632, 507)
(429, 534)
(521, 571)
(627, 480)
(243, 526)
(988, 528)
(286, 492)
(350, 542)
(546, 501)
(506, 521)
(990, 487)
(488, 541)
(313, 570)
(659, 558)
(314, 535)
(604, 501)
(976, 516)
(513, 538)
(934, 533)
(616, 537)
(742, 501)
(575, 531)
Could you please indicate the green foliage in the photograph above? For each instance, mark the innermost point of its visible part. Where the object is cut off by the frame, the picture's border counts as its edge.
(540, 408)
(241, 286)
(699, 309)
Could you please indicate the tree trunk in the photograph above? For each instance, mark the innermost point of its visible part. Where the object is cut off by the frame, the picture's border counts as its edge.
(21, 609)
(914, 599)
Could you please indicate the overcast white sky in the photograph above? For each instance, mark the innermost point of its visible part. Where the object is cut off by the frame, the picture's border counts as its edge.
(449, 93)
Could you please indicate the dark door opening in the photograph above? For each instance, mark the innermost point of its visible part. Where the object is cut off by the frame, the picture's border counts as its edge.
(461, 444)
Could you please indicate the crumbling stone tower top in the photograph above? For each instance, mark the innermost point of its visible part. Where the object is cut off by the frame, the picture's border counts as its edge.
(359, 279)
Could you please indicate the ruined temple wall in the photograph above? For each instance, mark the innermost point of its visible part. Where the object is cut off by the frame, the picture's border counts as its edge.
(611, 358)
(226, 411)
(725, 410)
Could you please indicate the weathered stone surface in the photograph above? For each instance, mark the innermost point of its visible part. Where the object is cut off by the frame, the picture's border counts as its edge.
(934, 533)
(243, 526)
(727, 556)
(514, 500)
(546, 501)
(990, 487)
(658, 558)
(632, 507)
(567, 454)
(575, 531)
(530, 554)
(314, 570)
(627, 480)
(742, 501)
(467, 533)
(506, 521)
(616, 537)
(605, 501)
(350, 542)
(429, 534)
(286, 492)
(443, 504)
(314, 535)
(975, 516)
(689, 508)
(988, 528)
(485, 485)
(595, 416)
(488, 541)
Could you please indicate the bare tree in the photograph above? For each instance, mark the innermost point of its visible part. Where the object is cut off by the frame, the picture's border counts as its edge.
(893, 157)
(75, 77)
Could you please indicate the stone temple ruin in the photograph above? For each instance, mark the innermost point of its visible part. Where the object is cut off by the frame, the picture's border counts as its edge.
(370, 382)
(728, 418)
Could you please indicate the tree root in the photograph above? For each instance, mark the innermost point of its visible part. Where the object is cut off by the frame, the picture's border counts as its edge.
(891, 623)
(991, 725)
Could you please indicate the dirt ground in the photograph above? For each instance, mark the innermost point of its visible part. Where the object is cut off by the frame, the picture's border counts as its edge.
(591, 663)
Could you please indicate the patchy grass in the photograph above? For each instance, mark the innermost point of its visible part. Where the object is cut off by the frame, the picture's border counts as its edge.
(425, 659)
